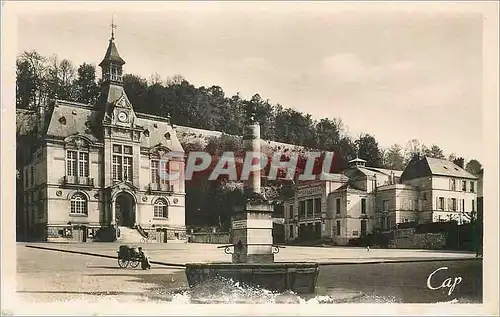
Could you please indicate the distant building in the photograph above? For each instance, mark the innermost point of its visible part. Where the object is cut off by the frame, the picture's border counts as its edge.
(87, 170)
(445, 190)
(306, 214)
(365, 199)
(480, 193)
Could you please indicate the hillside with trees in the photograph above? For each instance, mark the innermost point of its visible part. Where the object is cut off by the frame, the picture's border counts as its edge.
(41, 79)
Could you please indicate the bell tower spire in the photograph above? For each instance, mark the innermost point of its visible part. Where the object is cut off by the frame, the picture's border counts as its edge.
(112, 63)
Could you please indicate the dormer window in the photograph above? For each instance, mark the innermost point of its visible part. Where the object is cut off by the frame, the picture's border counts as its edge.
(146, 132)
(62, 120)
(167, 135)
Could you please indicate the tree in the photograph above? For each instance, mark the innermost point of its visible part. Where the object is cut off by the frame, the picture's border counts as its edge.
(136, 88)
(155, 79)
(328, 134)
(434, 151)
(413, 149)
(31, 80)
(86, 89)
(59, 79)
(473, 167)
(369, 150)
(394, 158)
(25, 84)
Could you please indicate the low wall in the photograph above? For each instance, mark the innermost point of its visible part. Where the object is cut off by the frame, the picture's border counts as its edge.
(431, 241)
(216, 238)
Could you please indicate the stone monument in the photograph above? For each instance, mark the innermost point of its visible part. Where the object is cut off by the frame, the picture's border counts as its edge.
(252, 245)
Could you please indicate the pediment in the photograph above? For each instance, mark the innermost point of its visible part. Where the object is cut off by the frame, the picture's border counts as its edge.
(122, 102)
(123, 185)
(77, 141)
(159, 150)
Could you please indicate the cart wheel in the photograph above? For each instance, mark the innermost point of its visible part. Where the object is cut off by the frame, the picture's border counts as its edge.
(135, 263)
(123, 263)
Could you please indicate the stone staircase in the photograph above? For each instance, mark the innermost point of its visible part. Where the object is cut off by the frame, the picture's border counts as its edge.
(129, 236)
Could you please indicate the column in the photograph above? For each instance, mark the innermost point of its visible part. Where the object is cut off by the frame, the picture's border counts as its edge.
(113, 212)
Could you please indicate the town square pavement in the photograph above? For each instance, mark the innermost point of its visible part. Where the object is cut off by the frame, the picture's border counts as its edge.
(46, 275)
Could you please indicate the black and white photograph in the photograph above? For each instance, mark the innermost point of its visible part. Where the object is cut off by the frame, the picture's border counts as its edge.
(256, 157)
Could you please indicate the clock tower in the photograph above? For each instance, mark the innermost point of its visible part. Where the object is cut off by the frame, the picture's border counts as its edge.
(113, 103)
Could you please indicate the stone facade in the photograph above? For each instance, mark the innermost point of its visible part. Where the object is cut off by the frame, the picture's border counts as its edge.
(89, 169)
(366, 199)
(307, 214)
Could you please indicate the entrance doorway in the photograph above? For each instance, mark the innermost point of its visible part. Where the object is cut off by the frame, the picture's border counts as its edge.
(125, 210)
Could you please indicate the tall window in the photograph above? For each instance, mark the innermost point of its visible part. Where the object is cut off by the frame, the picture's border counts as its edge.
(290, 211)
(363, 227)
(71, 163)
(79, 204)
(122, 162)
(454, 204)
(77, 163)
(317, 206)
(363, 206)
(158, 172)
(338, 228)
(309, 208)
(291, 231)
(32, 175)
(453, 185)
(155, 179)
(473, 205)
(83, 164)
(472, 187)
(161, 209)
(337, 206)
(302, 209)
(441, 203)
(415, 204)
(385, 205)
(464, 186)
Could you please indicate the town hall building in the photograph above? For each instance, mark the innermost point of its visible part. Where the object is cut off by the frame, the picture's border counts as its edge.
(92, 172)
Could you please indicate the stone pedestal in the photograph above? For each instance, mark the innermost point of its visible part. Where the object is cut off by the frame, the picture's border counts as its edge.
(252, 233)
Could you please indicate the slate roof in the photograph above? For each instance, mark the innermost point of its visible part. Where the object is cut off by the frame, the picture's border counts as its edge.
(350, 188)
(79, 118)
(189, 134)
(428, 166)
(157, 130)
(385, 171)
(69, 118)
(447, 168)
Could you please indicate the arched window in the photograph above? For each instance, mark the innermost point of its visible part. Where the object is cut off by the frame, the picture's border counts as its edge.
(79, 204)
(161, 209)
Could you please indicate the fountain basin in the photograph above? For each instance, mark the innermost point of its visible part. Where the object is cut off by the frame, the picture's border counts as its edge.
(299, 277)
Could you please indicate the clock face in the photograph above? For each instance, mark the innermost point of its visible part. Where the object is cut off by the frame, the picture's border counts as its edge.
(122, 116)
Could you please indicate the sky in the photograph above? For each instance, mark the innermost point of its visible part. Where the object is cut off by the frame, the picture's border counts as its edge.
(396, 74)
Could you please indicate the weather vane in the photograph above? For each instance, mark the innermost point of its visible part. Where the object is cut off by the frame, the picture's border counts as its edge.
(113, 27)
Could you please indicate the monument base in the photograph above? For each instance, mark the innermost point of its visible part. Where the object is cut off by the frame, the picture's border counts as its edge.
(299, 277)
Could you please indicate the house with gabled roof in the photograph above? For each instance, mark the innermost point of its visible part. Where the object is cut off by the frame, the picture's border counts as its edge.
(370, 199)
(446, 191)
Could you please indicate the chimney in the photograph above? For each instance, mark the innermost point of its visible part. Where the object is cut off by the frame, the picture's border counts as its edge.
(40, 120)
